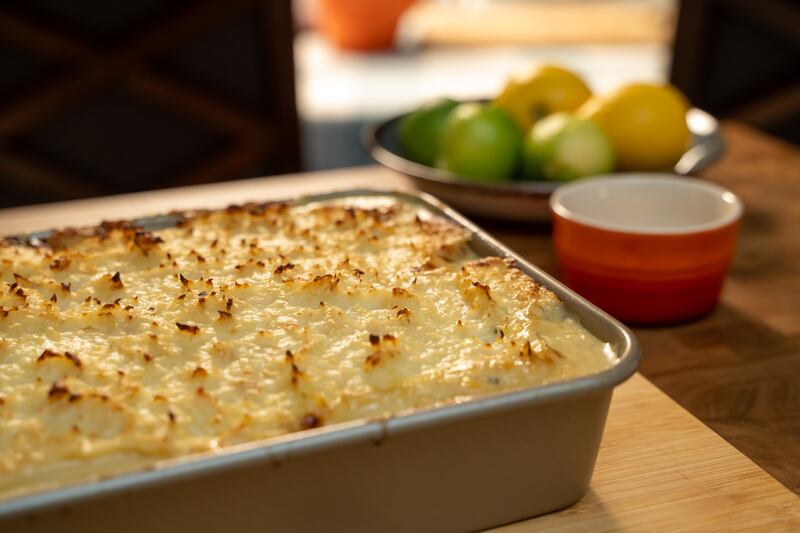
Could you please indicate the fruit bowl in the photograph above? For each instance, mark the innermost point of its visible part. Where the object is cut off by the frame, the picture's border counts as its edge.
(517, 200)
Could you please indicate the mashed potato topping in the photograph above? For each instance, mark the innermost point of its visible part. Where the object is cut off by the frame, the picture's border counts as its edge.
(120, 347)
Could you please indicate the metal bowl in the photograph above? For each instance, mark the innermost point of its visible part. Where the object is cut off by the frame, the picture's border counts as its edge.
(517, 200)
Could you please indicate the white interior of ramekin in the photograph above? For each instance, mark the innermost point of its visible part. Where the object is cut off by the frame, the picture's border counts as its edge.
(647, 203)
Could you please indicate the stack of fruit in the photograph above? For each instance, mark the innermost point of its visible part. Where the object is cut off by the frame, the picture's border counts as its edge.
(546, 125)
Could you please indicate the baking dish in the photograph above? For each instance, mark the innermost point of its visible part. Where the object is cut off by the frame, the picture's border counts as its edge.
(466, 466)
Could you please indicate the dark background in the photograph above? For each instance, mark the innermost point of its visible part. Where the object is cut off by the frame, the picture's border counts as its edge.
(101, 97)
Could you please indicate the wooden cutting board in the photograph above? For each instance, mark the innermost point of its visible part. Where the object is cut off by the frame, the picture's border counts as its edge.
(539, 23)
(661, 469)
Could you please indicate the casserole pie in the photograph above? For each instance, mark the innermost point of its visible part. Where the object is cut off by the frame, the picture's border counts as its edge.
(121, 347)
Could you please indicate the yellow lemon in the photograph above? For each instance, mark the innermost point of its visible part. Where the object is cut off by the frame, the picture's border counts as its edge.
(646, 125)
(541, 92)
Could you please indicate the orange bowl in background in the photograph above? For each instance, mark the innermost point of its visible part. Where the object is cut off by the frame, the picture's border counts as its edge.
(646, 248)
(361, 24)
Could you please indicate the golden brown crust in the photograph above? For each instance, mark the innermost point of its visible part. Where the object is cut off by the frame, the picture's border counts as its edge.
(256, 321)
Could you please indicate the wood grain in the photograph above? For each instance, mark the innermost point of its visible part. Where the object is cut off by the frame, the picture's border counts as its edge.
(737, 370)
(661, 469)
(536, 23)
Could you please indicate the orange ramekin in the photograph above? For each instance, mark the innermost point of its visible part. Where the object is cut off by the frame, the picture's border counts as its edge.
(646, 248)
(361, 24)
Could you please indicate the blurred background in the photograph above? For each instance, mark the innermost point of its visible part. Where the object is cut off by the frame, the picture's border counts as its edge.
(101, 97)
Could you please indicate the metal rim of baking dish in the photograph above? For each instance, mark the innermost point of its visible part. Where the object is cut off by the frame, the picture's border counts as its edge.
(278, 449)
(380, 140)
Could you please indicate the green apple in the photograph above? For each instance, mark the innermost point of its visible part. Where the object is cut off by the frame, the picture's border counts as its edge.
(420, 131)
(563, 147)
(480, 142)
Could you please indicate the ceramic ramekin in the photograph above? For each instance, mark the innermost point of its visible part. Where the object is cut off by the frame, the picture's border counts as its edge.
(647, 248)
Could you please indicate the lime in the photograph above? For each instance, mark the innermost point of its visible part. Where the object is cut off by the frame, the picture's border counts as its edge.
(420, 130)
(480, 142)
(563, 147)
